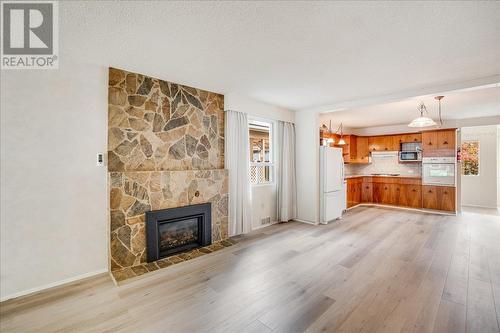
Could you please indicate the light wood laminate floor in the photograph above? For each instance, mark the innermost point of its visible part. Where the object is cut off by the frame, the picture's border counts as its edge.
(377, 270)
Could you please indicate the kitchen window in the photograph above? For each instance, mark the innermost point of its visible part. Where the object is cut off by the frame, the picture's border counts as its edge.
(261, 151)
(470, 158)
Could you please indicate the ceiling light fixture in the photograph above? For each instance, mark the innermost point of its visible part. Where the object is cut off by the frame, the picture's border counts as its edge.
(423, 120)
(329, 131)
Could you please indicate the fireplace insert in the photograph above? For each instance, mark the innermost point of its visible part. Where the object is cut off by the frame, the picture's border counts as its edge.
(175, 230)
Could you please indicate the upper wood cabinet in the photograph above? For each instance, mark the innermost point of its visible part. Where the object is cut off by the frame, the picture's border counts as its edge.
(446, 139)
(443, 139)
(382, 143)
(412, 137)
(349, 149)
(429, 140)
(362, 151)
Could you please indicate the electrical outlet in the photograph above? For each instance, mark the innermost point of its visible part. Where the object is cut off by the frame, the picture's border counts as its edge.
(265, 220)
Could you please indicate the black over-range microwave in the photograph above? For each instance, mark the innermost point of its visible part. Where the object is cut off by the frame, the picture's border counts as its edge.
(410, 156)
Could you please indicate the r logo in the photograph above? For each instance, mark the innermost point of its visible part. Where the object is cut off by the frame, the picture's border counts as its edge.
(28, 28)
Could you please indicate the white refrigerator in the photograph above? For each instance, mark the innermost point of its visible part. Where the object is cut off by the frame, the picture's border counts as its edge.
(332, 185)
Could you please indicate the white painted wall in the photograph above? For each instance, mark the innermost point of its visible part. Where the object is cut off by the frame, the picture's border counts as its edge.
(498, 165)
(53, 196)
(307, 154)
(482, 190)
(237, 102)
(263, 196)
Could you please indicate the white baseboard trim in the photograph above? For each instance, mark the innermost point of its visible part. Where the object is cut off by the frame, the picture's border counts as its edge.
(52, 285)
(479, 206)
(264, 225)
(305, 221)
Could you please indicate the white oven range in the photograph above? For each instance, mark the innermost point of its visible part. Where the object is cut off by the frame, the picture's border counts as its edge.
(440, 171)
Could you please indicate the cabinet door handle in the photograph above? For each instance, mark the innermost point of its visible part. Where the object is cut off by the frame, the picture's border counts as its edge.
(430, 143)
(445, 192)
(414, 190)
(445, 143)
(385, 188)
(415, 139)
(386, 148)
(430, 191)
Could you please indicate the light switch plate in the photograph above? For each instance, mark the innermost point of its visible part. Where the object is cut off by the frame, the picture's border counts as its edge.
(100, 159)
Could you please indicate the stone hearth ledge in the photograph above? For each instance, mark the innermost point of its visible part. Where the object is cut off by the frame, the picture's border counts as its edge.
(119, 276)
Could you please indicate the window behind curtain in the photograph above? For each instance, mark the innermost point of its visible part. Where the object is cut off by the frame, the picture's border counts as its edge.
(470, 158)
(261, 151)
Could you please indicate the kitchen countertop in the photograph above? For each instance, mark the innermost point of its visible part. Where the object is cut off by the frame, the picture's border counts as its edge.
(389, 176)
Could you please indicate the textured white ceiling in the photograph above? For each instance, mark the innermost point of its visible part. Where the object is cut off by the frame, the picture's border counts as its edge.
(454, 106)
(297, 55)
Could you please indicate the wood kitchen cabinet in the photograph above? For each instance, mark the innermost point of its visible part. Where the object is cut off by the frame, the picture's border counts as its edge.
(446, 139)
(349, 149)
(382, 143)
(413, 196)
(367, 190)
(362, 151)
(412, 137)
(429, 140)
(446, 198)
(442, 139)
(439, 197)
(385, 194)
(430, 197)
(400, 191)
(354, 191)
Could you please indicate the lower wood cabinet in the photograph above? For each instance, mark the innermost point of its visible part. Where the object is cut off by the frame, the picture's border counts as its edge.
(446, 198)
(438, 197)
(413, 196)
(367, 191)
(354, 191)
(405, 192)
(385, 194)
(430, 197)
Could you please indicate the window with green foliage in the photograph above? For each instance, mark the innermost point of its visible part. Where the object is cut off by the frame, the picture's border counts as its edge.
(470, 158)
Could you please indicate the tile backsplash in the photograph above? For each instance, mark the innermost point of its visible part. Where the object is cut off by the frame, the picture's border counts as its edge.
(385, 163)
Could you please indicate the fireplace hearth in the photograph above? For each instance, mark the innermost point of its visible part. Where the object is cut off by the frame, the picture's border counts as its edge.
(175, 230)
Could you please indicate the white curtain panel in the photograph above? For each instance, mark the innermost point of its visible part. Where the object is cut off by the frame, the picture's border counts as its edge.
(285, 173)
(237, 161)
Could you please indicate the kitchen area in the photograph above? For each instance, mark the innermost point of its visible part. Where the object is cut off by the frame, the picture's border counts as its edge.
(411, 170)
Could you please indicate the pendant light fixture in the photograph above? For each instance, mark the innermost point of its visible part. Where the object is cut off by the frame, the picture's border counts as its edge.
(341, 141)
(423, 120)
(329, 131)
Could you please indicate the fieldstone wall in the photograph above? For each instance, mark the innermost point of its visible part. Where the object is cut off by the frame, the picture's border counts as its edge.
(159, 125)
(165, 150)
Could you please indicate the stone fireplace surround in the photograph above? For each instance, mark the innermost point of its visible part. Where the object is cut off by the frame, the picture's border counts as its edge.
(165, 150)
